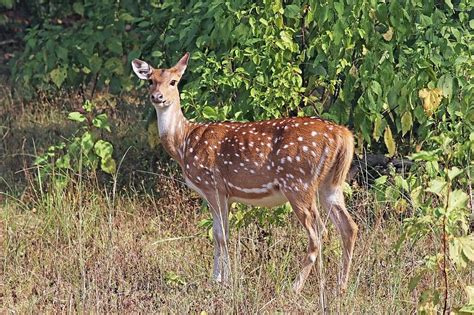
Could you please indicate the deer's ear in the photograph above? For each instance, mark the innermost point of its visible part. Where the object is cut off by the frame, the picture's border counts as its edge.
(182, 64)
(142, 69)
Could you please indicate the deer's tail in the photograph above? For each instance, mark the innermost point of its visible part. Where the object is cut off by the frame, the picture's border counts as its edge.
(343, 158)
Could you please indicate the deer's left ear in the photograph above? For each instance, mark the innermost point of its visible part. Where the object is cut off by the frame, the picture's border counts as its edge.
(182, 64)
(142, 69)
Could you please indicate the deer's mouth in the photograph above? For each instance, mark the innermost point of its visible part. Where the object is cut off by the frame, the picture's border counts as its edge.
(162, 104)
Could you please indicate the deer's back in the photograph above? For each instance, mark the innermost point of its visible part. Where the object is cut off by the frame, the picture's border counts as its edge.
(242, 159)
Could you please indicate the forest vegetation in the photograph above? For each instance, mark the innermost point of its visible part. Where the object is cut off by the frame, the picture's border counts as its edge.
(95, 216)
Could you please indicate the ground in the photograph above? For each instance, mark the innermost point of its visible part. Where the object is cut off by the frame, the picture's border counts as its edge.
(90, 248)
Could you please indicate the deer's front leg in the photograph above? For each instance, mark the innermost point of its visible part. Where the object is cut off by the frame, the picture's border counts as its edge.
(220, 229)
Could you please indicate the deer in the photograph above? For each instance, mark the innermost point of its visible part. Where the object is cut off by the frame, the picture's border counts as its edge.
(264, 163)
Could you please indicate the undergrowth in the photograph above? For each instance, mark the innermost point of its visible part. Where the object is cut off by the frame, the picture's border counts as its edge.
(132, 242)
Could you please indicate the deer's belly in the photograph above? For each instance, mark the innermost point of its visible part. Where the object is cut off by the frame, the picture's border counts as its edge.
(274, 198)
(254, 197)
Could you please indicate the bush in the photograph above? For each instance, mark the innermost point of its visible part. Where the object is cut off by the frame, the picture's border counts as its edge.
(362, 63)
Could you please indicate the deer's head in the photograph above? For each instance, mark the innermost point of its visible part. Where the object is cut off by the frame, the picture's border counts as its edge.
(163, 82)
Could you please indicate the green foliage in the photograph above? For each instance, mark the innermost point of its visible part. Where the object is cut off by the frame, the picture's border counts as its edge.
(81, 152)
(398, 72)
(361, 63)
(7, 3)
(436, 191)
(242, 216)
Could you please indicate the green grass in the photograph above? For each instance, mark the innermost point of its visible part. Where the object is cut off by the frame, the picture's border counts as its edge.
(88, 248)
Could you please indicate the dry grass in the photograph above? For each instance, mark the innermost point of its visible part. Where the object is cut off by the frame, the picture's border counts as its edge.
(88, 249)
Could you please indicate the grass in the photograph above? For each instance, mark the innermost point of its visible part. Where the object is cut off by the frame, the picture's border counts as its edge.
(88, 248)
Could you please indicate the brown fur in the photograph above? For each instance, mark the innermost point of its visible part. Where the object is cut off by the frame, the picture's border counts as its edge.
(261, 163)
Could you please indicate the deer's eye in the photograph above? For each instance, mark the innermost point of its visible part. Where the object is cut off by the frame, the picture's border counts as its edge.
(173, 82)
(150, 82)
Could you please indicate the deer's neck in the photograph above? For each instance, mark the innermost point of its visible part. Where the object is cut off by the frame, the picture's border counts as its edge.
(172, 127)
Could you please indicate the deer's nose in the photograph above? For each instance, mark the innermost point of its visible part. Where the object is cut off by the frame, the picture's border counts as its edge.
(157, 97)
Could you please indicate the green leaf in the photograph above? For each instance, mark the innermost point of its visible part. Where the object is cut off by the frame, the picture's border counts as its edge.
(108, 165)
(88, 106)
(87, 142)
(392, 193)
(58, 76)
(401, 183)
(101, 121)
(339, 6)
(389, 142)
(379, 125)
(381, 180)
(157, 53)
(470, 294)
(78, 8)
(449, 4)
(454, 172)
(64, 162)
(415, 195)
(445, 83)
(437, 186)
(277, 7)
(468, 249)
(103, 149)
(455, 252)
(407, 122)
(414, 281)
(114, 65)
(62, 53)
(426, 155)
(115, 45)
(95, 62)
(263, 21)
(7, 3)
(376, 88)
(467, 309)
(292, 11)
(76, 116)
(457, 199)
(338, 32)
(209, 112)
(127, 17)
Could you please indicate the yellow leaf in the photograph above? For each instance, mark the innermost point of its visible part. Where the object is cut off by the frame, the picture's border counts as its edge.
(364, 50)
(353, 71)
(428, 308)
(401, 206)
(407, 122)
(153, 137)
(431, 99)
(389, 34)
(389, 142)
(378, 128)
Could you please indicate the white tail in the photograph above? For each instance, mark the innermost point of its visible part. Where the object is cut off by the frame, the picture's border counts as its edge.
(264, 163)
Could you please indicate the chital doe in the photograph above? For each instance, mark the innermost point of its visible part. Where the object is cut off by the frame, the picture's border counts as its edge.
(264, 163)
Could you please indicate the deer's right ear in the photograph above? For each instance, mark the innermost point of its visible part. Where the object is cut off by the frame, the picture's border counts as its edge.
(142, 69)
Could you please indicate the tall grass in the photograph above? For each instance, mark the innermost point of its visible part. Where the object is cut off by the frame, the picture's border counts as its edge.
(132, 243)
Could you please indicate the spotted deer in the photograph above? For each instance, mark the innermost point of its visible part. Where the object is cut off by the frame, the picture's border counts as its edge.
(264, 163)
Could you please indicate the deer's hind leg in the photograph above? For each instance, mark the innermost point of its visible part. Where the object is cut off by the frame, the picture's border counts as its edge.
(332, 199)
(304, 206)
